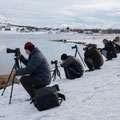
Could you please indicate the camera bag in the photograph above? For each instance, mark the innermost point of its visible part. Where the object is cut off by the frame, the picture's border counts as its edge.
(47, 97)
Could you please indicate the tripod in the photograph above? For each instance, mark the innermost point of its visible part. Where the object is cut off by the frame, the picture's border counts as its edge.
(15, 66)
(56, 72)
(76, 51)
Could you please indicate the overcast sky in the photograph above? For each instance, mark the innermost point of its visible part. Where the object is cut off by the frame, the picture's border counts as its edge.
(63, 13)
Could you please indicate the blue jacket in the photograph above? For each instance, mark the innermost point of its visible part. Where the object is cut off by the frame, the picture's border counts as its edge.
(36, 66)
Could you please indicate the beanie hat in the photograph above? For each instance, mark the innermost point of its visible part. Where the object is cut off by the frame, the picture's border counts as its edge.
(64, 56)
(29, 46)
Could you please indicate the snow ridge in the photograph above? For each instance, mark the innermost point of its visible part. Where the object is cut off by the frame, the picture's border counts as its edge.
(3, 19)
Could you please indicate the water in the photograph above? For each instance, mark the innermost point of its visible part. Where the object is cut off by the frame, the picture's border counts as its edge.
(51, 50)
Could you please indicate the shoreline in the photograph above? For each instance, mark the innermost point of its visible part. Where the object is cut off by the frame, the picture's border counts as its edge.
(4, 79)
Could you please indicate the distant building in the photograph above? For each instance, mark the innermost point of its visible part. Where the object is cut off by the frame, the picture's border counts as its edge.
(22, 30)
(77, 30)
(88, 32)
(65, 30)
(7, 29)
(103, 32)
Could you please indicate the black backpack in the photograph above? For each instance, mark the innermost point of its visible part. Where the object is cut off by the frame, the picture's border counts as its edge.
(47, 97)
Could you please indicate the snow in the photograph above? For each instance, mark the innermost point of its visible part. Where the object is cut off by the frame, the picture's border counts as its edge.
(94, 96)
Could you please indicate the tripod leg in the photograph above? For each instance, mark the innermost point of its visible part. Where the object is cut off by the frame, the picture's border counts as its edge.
(8, 80)
(12, 88)
(58, 73)
(75, 53)
(82, 59)
(54, 75)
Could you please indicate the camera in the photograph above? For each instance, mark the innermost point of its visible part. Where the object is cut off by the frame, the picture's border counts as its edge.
(54, 62)
(85, 49)
(16, 51)
(74, 46)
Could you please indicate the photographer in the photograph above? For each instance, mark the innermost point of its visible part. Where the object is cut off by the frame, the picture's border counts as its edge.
(37, 70)
(72, 67)
(93, 57)
(109, 50)
(116, 43)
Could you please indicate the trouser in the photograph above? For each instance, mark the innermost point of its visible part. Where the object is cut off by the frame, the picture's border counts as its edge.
(89, 63)
(104, 52)
(72, 74)
(117, 48)
(30, 84)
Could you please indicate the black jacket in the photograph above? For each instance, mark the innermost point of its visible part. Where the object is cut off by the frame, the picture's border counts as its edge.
(74, 64)
(95, 55)
(111, 52)
(36, 66)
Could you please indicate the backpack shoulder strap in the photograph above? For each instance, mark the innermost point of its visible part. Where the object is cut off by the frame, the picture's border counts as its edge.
(61, 96)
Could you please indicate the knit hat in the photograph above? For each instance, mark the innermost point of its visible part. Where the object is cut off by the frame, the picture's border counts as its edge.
(29, 46)
(64, 56)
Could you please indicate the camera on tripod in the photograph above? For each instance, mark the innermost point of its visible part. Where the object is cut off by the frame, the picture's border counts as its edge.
(55, 71)
(74, 46)
(15, 66)
(16, 51)
(54, 62)
(76, 51)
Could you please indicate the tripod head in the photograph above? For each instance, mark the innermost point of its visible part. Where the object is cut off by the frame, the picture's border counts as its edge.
(54, 62)
(74, 47)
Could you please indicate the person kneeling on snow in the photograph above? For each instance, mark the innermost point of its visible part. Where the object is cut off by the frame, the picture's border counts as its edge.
(72, 66)
(109, 50)
(93, 57)
(116, 43)
(37, 70)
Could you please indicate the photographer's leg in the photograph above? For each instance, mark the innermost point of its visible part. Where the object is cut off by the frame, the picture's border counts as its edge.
(28, 83)
(70, 74)
(66, 73)
(89, 64)
(104, 52)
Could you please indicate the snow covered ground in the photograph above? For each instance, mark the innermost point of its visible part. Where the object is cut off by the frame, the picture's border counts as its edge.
(94, 96)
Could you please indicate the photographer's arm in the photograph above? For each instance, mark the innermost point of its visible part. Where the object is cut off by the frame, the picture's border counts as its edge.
(23, 59)
(32, 65)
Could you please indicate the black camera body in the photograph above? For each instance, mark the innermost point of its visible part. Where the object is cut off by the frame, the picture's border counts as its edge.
(16, 51)
(85, 49)
(54, 62)
(74, 46)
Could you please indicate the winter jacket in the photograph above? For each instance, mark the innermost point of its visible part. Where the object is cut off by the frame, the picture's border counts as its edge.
(74, 64)
(111, 52)
(36, 66)
(95, 55)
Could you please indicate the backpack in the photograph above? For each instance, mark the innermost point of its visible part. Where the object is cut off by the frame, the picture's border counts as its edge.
(47, 97)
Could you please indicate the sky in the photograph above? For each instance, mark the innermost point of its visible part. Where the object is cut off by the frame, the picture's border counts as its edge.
(63, 13)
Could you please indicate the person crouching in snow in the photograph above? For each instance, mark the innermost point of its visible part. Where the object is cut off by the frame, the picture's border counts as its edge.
(109, 50)
(93, 57)
(37, 70)
(72, 66)
(116, 43)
